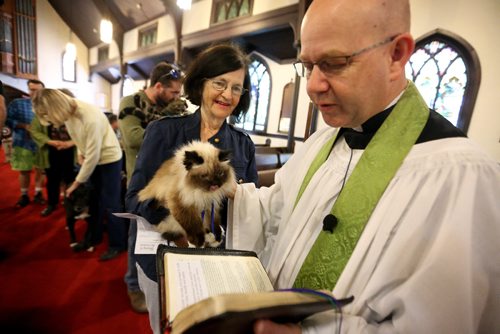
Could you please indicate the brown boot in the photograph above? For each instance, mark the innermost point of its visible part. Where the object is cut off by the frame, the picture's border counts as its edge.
(137, 301)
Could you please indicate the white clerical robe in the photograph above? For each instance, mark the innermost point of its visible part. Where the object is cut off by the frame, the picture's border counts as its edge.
(428, 260)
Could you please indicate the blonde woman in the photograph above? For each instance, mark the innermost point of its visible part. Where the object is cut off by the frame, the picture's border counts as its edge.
(100, 157)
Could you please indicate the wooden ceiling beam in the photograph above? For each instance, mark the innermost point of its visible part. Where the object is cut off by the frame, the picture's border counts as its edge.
(176, 13)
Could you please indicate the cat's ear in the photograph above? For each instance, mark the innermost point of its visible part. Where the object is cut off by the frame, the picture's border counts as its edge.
(224, 155)
(192, 158)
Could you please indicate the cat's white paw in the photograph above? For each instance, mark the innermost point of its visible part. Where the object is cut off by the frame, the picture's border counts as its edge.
(83, 215)
(210, 240)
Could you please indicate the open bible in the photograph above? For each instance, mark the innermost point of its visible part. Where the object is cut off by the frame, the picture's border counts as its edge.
(212, 290)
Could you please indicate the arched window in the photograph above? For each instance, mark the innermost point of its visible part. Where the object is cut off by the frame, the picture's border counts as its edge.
(256, 118)
(128, 86)
(225, 10)
(446, 70)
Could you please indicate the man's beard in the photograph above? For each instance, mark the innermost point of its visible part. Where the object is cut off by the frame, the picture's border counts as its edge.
(162, 104)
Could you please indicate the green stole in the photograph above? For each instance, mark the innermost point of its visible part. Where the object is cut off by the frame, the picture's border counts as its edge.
(377, 166)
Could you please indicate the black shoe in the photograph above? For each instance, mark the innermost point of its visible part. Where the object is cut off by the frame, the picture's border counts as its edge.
(111, 253)
(23, 201)
(47, 211)
(39, 198)
(79, 247)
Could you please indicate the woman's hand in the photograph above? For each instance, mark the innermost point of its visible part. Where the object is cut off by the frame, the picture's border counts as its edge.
(269, 327)
(72, 188)
(54, 143)
(63, 145)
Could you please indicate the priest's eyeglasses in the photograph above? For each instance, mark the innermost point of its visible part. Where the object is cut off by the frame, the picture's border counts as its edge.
(334, 65)
(221, 85)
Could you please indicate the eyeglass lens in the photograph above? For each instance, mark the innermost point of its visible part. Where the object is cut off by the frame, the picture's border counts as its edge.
(222, 85)
(334, 65)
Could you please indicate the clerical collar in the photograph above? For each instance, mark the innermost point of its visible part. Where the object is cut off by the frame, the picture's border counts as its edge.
(359, 139)
(437, 127)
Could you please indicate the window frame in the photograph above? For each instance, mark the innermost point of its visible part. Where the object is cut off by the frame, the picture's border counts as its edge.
(148, 29)
(21, 60)
(256, 57)
(100, 52)
(214, 15)
(286, 107)
(472, 65)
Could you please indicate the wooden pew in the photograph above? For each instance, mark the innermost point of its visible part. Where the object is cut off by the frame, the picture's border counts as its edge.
(268, 161)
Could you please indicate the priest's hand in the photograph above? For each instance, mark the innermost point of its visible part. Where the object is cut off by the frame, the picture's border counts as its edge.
(269, 327)
(232, 192)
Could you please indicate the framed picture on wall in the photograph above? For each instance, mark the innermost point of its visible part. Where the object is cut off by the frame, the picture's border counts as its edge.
(68, 67)
(286, 108)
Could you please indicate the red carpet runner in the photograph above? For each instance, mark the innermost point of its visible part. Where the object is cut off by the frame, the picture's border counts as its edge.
(44, 286)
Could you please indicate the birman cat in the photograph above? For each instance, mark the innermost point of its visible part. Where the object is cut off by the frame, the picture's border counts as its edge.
(192, 185)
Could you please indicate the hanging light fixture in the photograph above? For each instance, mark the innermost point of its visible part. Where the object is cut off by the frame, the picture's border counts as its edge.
(184, 4)
(106, 31)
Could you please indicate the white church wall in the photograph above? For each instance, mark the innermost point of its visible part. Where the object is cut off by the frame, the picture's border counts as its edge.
(197, 18)
(261, 6)
(165, 32)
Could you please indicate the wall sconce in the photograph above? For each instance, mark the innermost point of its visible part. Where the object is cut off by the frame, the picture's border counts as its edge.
(184, 4)
(106, 31)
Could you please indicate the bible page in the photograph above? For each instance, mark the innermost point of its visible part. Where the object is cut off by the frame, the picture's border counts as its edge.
(192, 278)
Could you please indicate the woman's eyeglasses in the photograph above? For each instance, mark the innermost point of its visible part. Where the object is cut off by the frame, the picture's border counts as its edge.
(221, 85)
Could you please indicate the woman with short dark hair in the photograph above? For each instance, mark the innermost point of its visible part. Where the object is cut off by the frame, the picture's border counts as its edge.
(212, 63)
(218, 82)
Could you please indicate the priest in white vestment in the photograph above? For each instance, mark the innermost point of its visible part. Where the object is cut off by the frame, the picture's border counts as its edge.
(427, 259)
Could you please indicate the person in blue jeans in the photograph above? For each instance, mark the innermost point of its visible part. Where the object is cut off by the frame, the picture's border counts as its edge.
(136, 112)
(100, 157)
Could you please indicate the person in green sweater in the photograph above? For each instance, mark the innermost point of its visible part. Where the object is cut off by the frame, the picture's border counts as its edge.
(136, 112)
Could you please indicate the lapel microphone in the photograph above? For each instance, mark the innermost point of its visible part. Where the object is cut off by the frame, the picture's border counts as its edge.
(329, 223)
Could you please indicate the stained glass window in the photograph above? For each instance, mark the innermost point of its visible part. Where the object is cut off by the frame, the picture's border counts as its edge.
(446, 74)
(103, 53)
(230, 9)
(256, 117)
(147, 36)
